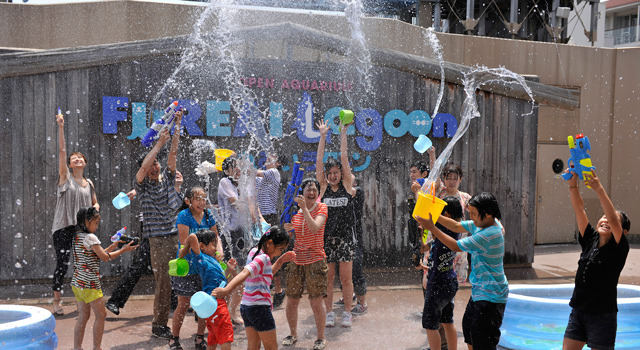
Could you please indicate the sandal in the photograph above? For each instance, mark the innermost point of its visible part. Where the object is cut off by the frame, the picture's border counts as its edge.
(57, 308)
(319, 344)
(175, 345)
(202, 343)
(289, 340)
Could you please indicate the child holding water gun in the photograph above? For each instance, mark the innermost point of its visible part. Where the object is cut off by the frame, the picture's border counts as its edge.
(192, 217)
(256, 304)
(85, 283)
(489, 288)
(594, 308)
(200, 249)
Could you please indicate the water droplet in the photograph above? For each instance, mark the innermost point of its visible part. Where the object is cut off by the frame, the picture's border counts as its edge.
(48, 138)
(18, 235)
(17, 265)
(67, 112)
(18, 201)
(78, 111)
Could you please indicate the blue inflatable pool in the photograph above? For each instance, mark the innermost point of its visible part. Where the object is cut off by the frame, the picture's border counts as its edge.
(536, 316)
(27, 328)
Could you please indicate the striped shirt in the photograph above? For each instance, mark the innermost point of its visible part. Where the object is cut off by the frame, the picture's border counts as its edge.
(159, 201)
(267, 188)
(486, 247)
(86, 264)
(257, 286)
(309, 247)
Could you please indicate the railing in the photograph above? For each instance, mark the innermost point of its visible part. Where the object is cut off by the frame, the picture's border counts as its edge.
(622, 35)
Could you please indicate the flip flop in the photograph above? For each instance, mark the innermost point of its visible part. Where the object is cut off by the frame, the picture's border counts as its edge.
(58, 311)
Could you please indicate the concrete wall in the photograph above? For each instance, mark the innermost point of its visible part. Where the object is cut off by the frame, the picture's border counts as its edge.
(608, 79)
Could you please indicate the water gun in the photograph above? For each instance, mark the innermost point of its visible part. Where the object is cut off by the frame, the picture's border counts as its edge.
(59, 110)
(158, 125)
(580, 160)
(293, 190)
(120, 236)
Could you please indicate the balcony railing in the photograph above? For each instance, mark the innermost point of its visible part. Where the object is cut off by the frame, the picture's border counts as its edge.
(622, 35)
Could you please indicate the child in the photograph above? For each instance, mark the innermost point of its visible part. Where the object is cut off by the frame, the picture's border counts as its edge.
(442, 284)
(337, 192)
(200, 249)
(255, 307)
(85, 282)
(593, 319)
(489, 288)
(192, 217)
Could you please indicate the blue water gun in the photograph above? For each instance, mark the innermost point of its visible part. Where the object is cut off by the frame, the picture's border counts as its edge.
(158, 125)
(293, 190)
(580, 160)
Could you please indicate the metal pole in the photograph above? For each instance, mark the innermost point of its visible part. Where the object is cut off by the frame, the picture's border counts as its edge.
(513, 15)
(470, 8)
(594, 21)
(437, 17)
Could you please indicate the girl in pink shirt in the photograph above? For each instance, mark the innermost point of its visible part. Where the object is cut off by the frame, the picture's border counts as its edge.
(257, 274)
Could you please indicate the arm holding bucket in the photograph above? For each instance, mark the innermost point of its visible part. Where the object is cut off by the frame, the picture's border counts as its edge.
(235, 282)
(447, 240)
(347, 175)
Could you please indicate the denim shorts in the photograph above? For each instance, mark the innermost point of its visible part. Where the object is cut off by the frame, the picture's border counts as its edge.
(186, 286)
(598, 330)
(258, 317)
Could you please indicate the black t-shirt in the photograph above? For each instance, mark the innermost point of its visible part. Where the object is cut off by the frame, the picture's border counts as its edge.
(598, 272)
(340, 220)
(441, 271)
(415, 236)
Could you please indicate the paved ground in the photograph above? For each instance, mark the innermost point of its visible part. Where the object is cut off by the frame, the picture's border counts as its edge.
(391, 322)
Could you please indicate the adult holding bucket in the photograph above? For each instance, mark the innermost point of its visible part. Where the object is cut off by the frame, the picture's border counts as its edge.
(337, 192)
(74, 191)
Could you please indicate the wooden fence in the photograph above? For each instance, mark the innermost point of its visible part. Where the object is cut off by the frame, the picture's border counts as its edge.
(497, 154)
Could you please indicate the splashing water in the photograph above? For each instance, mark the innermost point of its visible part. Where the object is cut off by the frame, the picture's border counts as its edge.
(431, 39)
(473, 79)
(358, 58)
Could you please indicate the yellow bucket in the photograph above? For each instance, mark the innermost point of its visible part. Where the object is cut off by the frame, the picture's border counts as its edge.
(428, 204)
(221, 155)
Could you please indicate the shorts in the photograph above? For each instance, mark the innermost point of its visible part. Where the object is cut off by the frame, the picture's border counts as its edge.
(598, 330)
(339, 249)
(481, 324)
(86, 295)
(315, 276)
(439, 304)
(258, 317)
(219, 325)
(186, 286)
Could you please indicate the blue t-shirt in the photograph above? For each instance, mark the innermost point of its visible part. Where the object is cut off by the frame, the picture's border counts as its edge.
(209, 270)
(441, 261)
(486, 247)
(185, 217)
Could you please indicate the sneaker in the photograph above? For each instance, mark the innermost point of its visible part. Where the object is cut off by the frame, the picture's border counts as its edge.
(331, 319)
(278, 299)
(319, 344)
(289, 340)
(359, 309)
(162, 332)
(113, 308)
(341, 300)
(346, 319)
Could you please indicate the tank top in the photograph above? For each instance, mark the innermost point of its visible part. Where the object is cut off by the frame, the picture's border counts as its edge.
(70, 198)
(340, 222)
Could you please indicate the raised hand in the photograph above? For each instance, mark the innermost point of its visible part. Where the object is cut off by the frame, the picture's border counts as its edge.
(60, 120)
(323, 127)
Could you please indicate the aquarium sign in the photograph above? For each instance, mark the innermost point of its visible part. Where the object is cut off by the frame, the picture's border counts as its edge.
(369, 126)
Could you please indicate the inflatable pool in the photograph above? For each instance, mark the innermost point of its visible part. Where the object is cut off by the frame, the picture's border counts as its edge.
(27, 328)
(536, 316)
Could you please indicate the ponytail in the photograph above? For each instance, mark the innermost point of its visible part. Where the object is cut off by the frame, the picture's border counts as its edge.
(276, 234)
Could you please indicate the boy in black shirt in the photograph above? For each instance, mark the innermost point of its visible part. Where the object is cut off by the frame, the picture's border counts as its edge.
(593, 319)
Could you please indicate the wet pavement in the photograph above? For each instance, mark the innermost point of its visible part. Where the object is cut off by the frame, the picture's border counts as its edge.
(391, 322)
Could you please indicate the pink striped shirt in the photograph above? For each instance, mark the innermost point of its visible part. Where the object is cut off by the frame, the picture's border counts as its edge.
(257, 286)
